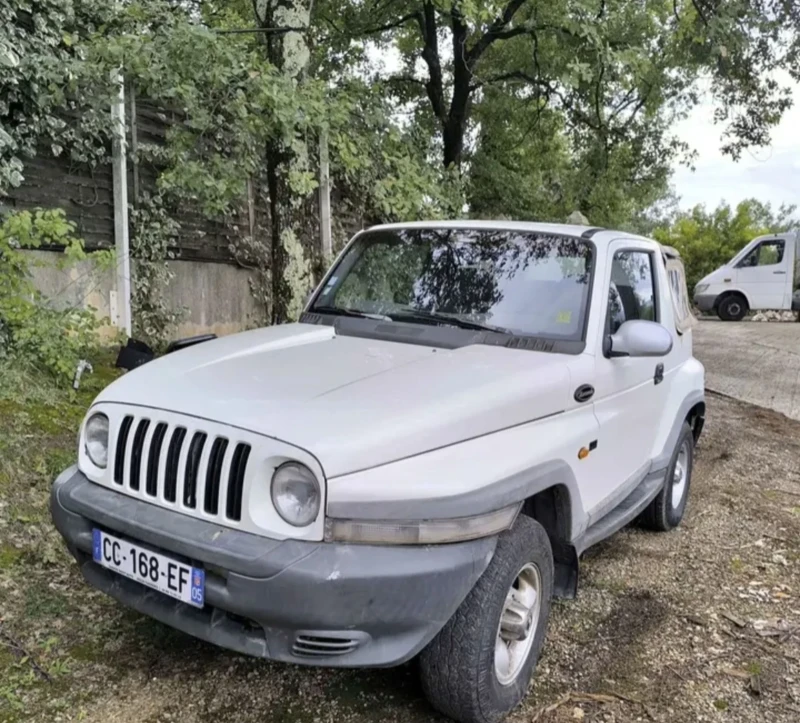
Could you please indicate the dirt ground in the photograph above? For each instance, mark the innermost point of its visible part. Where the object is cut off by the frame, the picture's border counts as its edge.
(701, 624)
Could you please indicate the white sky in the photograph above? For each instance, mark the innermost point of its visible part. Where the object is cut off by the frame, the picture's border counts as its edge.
(768, 174)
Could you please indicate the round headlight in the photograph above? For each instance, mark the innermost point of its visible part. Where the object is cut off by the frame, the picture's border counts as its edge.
(296, 494)
(95, 439)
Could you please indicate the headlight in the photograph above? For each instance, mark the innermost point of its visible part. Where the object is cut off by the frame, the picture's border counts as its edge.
(295, 494)
(420, 532)
(700, 288)
(95, 440)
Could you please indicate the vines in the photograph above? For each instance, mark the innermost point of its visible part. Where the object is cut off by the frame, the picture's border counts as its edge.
(154, 234)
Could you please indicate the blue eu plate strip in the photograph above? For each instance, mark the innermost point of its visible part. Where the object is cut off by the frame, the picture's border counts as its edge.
(198, 586)
(96, 544)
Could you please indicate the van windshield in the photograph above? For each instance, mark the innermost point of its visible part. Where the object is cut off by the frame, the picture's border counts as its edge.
(519, 283)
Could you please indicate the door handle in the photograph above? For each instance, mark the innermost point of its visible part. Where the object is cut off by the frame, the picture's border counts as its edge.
(783, 273)
(658, 377)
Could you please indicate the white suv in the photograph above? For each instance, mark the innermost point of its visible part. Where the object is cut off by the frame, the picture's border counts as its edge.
(412, 469)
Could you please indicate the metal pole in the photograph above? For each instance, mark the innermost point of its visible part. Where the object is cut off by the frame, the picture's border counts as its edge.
(120, 178)
(325, 200)
(134, 146)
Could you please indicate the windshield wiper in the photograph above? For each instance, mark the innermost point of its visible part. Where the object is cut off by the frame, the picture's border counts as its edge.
(423, 315)
(344, 311)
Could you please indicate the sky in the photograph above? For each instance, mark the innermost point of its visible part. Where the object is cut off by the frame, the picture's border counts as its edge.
(768, 174)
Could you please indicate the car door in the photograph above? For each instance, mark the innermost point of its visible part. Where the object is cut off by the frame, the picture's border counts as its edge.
(629, 392)
(763, 274)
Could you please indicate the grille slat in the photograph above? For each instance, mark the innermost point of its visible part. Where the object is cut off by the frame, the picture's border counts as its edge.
(233, 505)
(179, 465)
(122, 443)
(137, 452)
(151, 483)
(214, 475)
(173, 457)
(193, 469)
(315, 646)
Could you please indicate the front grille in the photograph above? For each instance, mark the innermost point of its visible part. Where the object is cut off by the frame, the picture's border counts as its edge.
(170, 464)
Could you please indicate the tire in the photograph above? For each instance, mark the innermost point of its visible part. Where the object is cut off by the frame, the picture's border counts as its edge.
(667, 509)
(732, 308)
(458, 669)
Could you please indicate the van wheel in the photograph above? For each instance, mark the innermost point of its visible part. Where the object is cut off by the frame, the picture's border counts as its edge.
(732, 308)
(667, 509)
(478, 667)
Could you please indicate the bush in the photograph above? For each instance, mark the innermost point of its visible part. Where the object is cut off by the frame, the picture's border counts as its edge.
(31, 330)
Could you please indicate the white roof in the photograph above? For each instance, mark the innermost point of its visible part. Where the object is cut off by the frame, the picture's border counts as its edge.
(599, 235)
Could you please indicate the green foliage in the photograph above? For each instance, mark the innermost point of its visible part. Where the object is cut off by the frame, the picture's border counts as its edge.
(31, 330)
(153, 233)
(708, 239)
(571, 105)
(41, 78)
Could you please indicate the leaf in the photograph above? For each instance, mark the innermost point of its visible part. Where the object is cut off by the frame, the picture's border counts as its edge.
(8, 58)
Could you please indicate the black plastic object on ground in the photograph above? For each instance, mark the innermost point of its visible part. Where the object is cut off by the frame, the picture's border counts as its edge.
(134, 354)
(179, 344)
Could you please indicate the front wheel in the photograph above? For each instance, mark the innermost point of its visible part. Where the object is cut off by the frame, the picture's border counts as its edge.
(732, 308)
(477, 669)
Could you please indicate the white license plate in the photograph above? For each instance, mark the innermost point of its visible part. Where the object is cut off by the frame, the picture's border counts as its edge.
(173, 578)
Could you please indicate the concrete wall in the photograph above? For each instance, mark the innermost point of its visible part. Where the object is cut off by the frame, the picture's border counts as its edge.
(216, 297)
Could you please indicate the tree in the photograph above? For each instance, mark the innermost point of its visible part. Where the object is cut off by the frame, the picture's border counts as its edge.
(608, 65)
(526, 165)
(708, 239)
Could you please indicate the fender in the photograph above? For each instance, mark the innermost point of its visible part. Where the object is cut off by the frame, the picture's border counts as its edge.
(692, 400)
(515, 488)
(732, 290)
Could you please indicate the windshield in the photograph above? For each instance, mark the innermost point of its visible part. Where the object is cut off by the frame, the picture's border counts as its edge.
(519, 283)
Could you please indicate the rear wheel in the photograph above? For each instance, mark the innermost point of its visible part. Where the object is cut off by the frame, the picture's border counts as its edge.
(667, 509)
(478, 667)
(732, 308)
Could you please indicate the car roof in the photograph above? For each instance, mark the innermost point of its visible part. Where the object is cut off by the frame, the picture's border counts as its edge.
(597, 235)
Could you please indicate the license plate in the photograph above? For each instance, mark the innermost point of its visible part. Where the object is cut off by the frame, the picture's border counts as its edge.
(173, 578)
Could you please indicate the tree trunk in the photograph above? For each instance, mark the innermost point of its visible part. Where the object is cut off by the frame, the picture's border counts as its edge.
(278, 196)
(288, 52)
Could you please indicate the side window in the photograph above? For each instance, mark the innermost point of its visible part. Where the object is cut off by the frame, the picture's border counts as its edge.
(632, 291)
(684, 319)
(767, 253)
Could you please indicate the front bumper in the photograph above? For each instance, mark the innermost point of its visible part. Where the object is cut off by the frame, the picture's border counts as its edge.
(300, 602)
(705, 302)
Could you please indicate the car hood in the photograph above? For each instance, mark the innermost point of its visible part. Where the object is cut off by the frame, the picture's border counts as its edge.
(353, 403)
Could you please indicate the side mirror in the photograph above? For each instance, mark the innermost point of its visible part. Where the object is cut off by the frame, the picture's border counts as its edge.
(639, 338)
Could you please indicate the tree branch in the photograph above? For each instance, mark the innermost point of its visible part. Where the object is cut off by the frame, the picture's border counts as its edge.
(405, 79)
(513, 75)
(267, 31)
(430, 54)
(389, 26)
(700, 12)
(494, 32)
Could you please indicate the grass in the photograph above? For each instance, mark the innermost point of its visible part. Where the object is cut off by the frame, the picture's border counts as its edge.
(39, 421)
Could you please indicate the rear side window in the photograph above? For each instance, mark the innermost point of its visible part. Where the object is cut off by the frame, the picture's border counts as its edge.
(684, 318)
(631, 294)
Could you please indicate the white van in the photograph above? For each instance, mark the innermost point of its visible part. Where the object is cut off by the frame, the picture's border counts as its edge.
(765, 274)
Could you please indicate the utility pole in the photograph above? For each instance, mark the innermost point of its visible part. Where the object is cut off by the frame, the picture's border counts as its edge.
(122, 294)
(326, 242)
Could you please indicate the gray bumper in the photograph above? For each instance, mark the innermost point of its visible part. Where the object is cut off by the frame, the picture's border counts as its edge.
(299, 602)
(705, 302)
